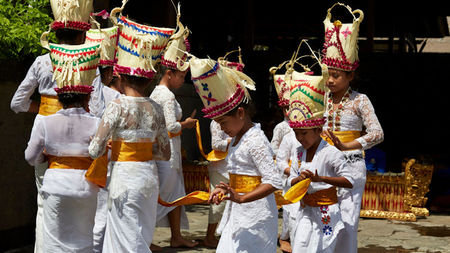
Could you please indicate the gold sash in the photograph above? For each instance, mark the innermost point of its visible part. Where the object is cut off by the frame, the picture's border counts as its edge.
(321, 198)
(49, 105)
(343, 136)
(121, 152)
(131, 151)
(171, 135)
(69, 162)
(244, 184)
(214, 155)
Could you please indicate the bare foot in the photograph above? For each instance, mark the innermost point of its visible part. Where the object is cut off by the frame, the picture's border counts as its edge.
(182, 243)
(210, 242)
(285, 246)
(155, 248)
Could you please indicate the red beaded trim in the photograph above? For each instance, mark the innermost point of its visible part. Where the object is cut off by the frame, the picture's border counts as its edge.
(85, 89)
(227, 106)
(107, 62)
(239, 66)
(134, 71)
(309, 123)
(283, 102)
(75, 25)
(343, 64)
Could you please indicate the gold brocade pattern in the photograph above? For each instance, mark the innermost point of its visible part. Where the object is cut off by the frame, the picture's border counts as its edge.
(323, 197)
(244, 183)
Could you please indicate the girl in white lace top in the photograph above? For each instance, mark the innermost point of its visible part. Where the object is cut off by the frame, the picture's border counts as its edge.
(250, 219)
(171, 182)
(352, 126)
(134, 122)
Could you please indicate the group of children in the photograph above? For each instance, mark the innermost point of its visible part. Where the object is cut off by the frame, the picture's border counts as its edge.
(104, 157)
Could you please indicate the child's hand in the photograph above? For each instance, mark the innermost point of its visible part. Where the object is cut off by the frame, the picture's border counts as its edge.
(232, 194)
(313, 176)
(217, 195)
(337, 143)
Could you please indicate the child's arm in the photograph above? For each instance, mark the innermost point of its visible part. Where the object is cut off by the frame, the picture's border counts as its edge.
(34, 152)
(336, 181)
(259, 192)
(21, 101)
(105, 129)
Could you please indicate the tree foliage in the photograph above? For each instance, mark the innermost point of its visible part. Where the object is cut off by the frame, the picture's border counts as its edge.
(21, 24)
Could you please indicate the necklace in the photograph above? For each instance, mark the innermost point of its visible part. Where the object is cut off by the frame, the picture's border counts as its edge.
(334, 116)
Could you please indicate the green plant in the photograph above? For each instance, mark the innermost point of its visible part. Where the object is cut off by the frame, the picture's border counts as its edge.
(21, 24)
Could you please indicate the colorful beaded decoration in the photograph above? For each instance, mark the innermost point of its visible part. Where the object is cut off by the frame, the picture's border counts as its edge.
(334, 116)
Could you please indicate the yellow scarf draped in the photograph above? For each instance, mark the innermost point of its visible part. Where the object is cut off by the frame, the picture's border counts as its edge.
(49, 105)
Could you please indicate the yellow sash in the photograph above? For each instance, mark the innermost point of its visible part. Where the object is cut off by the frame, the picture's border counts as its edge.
(344, 136)
(171, 135)
(69, 162)
(244, 184)
(214, 155)
(98, 170)
(131, 151)
(321, 198)
(49, 105)
(122, 152)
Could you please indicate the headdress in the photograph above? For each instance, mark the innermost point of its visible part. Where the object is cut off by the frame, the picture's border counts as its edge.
(71, 14)
(140, 46)
(220, 88)
(340, 50)
(306, 103)
(175, 55)
(74, 67)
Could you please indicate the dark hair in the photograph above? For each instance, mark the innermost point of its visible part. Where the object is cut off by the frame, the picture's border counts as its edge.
(135, 81)
(248, 107)
(68, 35)
(161, 71)
(72, 99)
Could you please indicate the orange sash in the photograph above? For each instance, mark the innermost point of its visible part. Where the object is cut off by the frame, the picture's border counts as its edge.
(69, 162)
(171, 135)
(214, 155)
(323, 197)
(49, 105)
(131, 151)
(122, 152)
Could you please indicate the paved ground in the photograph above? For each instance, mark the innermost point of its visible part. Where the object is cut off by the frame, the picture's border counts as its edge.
(431, 234)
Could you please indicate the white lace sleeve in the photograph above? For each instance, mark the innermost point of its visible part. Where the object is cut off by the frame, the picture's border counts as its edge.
(162, 146)
(219, 139)
(33, 153)
(262, 156)
(284, 154)
(172, 124)
(21, 100)
(97, 100)
(374, 132)
(109, 122)
(276, 138)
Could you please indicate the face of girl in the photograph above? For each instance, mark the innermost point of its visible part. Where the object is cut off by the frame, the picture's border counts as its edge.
(307, 137)
(176, 78)
(338, 80)
(232, 124)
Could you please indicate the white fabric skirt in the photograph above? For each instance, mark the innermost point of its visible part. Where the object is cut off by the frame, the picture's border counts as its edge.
(171, 187)
(249, 227)
(350, 205)
(68, 223)
(133, 196)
